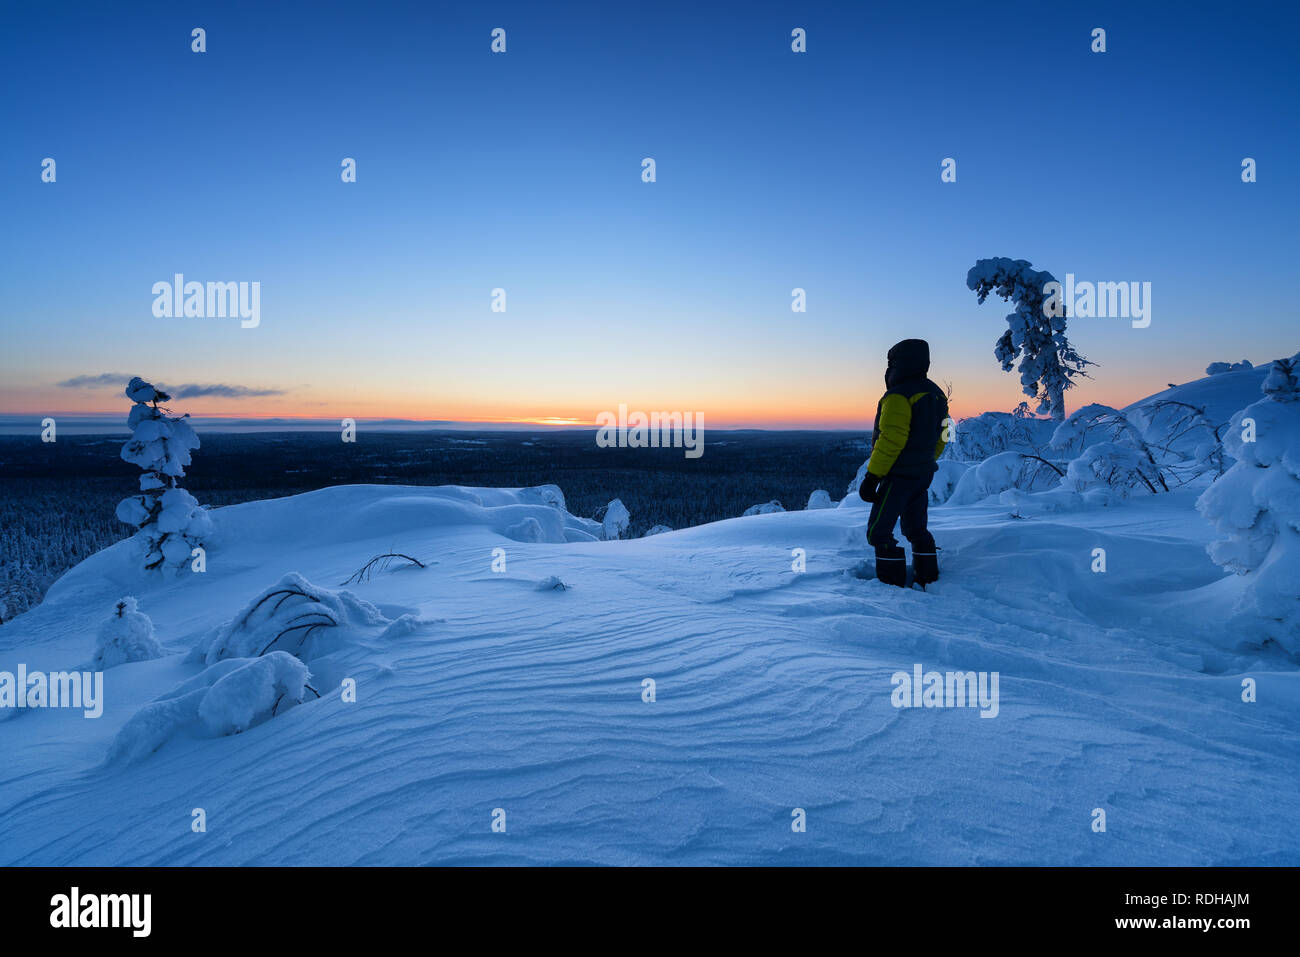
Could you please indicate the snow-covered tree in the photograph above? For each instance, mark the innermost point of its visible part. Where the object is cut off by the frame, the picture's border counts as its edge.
(126, 635)
(767, 508)
(1036, 333)
(1218, 368)
(171, 522)
(614, 520)
(1256, 504)
(820, 499)
(978, 437)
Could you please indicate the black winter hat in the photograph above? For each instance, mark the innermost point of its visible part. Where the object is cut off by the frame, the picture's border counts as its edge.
(909, 359)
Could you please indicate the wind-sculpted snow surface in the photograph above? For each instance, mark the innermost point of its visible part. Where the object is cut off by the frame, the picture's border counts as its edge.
(670, 700)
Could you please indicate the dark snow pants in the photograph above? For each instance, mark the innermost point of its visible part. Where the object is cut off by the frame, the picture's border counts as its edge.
(902, 500)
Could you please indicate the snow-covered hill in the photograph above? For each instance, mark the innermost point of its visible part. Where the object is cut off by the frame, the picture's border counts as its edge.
(508, 674)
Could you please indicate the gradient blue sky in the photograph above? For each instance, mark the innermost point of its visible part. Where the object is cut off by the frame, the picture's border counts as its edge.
(522, 171)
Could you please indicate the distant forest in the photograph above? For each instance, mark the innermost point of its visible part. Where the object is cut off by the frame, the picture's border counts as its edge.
(57, 499)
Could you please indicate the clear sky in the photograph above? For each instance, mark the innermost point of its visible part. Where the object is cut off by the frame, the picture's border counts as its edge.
(522, 171)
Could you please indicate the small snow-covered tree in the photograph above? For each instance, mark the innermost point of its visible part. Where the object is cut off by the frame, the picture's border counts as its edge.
(126, 635)
(171, 522)
(1256, 504)
(1036, 333)
(820, 499)
(614, 519)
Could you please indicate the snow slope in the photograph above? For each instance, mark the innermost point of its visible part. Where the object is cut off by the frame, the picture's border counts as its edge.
(500, 689)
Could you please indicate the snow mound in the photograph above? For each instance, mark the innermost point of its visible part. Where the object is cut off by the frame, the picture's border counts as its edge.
(767, 508)
(945, 480)
(1218, 368)
(225, 698)
(615, 520)
(1220, 395)
(820, 499)
(291, 615)
(1006, 470)
(529, 530)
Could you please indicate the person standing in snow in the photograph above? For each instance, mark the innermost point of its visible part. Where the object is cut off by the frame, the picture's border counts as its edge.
(911, 419)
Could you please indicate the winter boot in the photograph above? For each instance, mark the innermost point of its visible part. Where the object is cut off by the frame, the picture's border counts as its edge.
(891, 566)
(925, 567)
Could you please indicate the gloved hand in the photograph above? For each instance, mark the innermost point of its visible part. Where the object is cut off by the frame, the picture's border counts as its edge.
(869, 490)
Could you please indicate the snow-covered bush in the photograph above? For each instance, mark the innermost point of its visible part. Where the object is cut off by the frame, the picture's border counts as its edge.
(656, 530)
(1256, 504)
(292, 615)
(126, 635)
(227, 697)
(820, 499)
(765, 509)
(851, 497)
(1000, 472)
(976, 438)
(1186, 442)
(945, 480)
(1112, 452)
(1218, 368)
(170, 521)
(1281, 382)
(1121, 469)
(614, 520)
(1048, 362)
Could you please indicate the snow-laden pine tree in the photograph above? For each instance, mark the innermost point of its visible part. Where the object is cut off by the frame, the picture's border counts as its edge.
(171, 522)
(1256, 504)
(126, 635)
(1048, 363)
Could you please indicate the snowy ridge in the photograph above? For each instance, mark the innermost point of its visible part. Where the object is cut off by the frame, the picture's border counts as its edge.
(520, 686)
